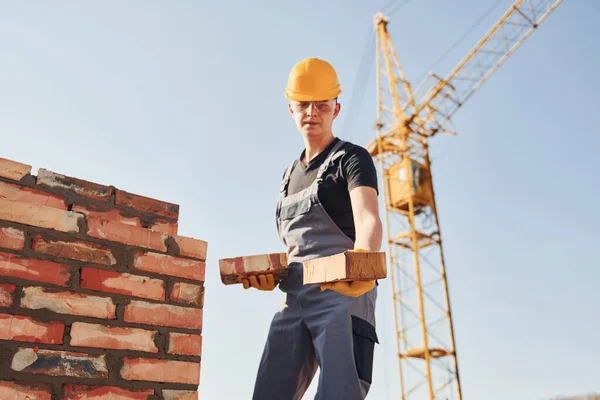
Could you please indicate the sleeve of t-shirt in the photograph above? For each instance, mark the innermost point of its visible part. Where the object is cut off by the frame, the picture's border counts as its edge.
(359, 169)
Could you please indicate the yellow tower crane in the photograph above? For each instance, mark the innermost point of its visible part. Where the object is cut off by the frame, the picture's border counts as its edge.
(426, 348)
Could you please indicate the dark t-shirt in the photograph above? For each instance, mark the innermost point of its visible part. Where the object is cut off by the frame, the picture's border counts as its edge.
(355, 168)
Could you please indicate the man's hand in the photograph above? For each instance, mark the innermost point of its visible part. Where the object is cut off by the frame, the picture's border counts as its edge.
(350, 288)
(260, 282)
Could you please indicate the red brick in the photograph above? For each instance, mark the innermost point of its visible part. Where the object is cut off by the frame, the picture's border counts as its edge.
(27, 329)
(80, 251)
(191, 247)
(13, 170)
(78, 186)
(34, 270)
(140, 312)
(170, 394)
(233, 270)
(6, 294)
(112, 337)
(110, 215)
(10, 191)
(169, 228)
(164, 226)
(41, 216)
(12, 238)
(187, 293)
(59, 363)
(17, 391)
(131, 235)
(345, 266)
(122, 283)
(184, 343)
(67, 302)
(155, 370)
(89, 392)
(170, 265)
(146, 204)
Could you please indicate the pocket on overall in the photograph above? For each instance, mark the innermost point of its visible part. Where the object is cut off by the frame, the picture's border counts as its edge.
(364, 338)
(294, 209)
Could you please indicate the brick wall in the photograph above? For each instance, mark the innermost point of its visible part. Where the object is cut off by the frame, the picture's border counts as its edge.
(99, 296)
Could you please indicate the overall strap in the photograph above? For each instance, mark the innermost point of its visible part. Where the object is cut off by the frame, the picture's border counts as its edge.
(333, 155)
(286, 179)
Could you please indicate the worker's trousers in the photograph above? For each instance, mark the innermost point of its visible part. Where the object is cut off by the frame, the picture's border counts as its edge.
(315, 328)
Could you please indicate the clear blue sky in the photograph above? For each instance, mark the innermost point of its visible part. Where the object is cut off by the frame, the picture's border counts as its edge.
(184, 102)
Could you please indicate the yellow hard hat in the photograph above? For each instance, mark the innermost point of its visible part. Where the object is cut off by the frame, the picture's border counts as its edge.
(312, 79)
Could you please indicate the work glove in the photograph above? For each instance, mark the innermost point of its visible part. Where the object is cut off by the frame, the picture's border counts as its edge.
(260, 282)
(350, 288)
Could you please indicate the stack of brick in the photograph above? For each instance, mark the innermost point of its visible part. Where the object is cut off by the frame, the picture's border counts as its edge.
(99, 296)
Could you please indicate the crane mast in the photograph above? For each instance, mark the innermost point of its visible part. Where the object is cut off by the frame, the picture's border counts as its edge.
(427, 359)
(426, 348)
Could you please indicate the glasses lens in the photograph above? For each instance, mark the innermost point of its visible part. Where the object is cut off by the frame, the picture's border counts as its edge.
(320, 106)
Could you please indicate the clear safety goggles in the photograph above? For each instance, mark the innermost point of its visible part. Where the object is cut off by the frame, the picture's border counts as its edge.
(320, 106)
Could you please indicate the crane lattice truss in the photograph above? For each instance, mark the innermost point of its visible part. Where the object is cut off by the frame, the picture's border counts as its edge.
(425, 336)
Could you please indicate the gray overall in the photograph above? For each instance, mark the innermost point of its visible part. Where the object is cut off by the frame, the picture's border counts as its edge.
(315, 328)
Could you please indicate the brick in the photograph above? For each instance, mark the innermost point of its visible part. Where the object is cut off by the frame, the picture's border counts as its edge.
(59, 363)
(19, 391)
(32, 269)
(13, 170)
(345, 266)
(83, 188)
(187, 293)
(122, 283)
(67, 302)
(6, 294)
(156, 370)
(164, 226)
(126, 234)
(191, 247)
(109, 215)
(167, 227)
(74, 250)
(41, 216)
(146, 204)
(140, 312)
(98, 392)
(170, 265)
(27, 329)
(12, 238)
(27, 195)
(233, 270)
(112, 337)
(170, 394)
(184, 343)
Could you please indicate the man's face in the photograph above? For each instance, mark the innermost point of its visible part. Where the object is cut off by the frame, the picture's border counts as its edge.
(314, 118)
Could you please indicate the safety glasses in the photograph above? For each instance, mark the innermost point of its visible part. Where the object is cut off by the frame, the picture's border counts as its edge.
(320, 106)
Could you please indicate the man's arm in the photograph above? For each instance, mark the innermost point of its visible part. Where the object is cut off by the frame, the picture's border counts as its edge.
(367, 224)
(361, 175)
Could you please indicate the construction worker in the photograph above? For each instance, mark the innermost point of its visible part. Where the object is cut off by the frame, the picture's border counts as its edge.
(327, 205)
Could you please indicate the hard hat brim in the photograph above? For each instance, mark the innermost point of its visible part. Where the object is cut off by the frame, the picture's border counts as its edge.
(332, 94)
